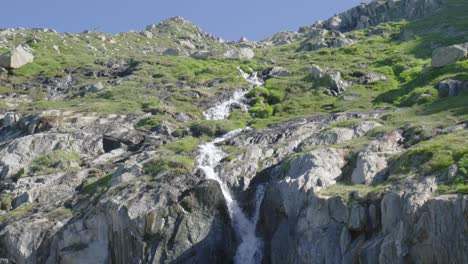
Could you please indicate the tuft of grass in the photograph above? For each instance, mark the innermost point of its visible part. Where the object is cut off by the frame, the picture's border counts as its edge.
(97, 186)
(344, 190)
(174, 163)
(57, 160)
(184, 145)
(18, 212)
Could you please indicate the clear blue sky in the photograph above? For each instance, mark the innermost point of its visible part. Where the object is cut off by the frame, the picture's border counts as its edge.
(229, 19)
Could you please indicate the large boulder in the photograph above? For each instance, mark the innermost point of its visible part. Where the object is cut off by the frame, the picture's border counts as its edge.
(450, 87)
(16, 58)
(315, 170)
(448, 55)
(243, 53)
(337, 84)
(371, 163)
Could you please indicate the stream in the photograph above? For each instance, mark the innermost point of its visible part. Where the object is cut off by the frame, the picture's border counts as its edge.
(209, 157)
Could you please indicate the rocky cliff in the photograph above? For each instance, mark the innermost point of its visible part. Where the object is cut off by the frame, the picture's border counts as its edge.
(345, 142)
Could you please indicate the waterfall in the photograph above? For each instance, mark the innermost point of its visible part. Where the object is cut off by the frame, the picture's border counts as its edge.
(223, 110)
(250, 248)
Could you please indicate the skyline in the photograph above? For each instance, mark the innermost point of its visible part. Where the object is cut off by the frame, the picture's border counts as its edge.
(229, 20)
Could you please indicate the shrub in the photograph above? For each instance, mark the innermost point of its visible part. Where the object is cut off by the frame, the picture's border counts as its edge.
(261, 110)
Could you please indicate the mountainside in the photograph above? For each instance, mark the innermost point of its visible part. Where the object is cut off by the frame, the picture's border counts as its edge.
(343, 142)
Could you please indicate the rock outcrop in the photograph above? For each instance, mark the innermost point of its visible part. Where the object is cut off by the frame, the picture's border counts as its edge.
(371, 162)
(450, 87)
(448, 55)
(335, 84)
(16, 58)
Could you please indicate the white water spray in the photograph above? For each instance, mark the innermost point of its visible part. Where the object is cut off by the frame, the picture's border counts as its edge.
(251, 247)
(223, 110)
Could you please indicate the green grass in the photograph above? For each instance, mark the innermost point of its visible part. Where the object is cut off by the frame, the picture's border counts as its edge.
(174, 163)
(55, 161)
(345, 190)
(434, 155)
(460, 186)
(18, 212)
(185, 145)
(95, 186)
(214, 128)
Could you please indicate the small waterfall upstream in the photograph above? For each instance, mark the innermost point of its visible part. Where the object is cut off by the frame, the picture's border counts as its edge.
(222, 110)
(210, 155)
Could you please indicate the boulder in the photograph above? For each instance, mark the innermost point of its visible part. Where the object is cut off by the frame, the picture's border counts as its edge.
(316, 169)
(317, 73)
(449, 55)
(243, 53)
(275, 72)
(336, 87)
(10, 119)
(16, 58)
(450, 87)
(336, 83)
(97, 87)
(282, 38)
(371, 77)
(371, 163)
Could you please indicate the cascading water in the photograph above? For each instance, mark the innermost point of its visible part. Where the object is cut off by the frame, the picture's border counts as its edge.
(210, 155)
(223, 110)
(250, 247)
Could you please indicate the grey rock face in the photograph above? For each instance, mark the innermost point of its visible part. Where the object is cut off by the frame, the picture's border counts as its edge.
(376, 12)
(321, 38)
(281, 38)
(449, 55)
(314, 170)
(371, 163)
(16, 58)
(450, 87)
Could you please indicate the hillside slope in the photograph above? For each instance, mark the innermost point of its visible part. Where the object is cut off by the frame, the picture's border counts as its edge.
(344, 142)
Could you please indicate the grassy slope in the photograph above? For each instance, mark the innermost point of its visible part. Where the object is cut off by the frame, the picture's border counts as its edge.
(403, 54)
